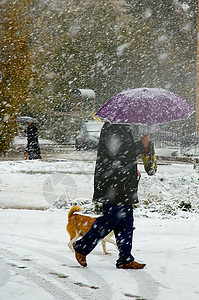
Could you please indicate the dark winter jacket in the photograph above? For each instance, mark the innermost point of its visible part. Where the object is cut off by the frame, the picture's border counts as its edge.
(115, 180)
(33, 143)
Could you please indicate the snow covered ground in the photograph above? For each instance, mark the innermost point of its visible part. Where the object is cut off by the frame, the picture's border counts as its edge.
(35, 262)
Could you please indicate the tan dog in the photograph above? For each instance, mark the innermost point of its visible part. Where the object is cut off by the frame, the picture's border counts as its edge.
(78, 225)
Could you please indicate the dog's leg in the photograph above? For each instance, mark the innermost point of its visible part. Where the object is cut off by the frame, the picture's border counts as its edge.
(104, 246)
(109, 240)
(106, 239)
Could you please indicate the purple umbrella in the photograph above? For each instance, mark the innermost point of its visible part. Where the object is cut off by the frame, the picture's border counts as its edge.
(146, 106)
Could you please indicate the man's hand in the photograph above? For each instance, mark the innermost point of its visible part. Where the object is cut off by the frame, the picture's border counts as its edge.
(145, 141)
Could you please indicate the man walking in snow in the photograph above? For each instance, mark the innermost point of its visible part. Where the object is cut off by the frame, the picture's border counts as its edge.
(115, 186)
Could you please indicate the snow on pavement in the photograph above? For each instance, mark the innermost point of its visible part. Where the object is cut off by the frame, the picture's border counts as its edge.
(35, 262)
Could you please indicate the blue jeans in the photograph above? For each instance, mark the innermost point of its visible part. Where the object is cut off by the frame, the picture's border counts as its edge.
(115, 217)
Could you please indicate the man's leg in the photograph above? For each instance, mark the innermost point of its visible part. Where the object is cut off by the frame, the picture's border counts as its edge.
(100, 228)
(124, 235)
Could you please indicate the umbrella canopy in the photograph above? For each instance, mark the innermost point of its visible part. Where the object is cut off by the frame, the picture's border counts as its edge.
(147, 106)
(26, 119)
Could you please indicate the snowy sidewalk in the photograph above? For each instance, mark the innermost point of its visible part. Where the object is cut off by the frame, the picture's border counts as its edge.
(35, 262)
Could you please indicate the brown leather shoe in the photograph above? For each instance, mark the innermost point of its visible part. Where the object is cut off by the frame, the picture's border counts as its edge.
(81, 259)
(131, 265)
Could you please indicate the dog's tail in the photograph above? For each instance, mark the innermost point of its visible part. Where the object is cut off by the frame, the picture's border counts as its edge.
(74, 209)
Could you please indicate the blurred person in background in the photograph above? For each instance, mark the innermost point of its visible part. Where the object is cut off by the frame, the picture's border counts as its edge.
(32, 150)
